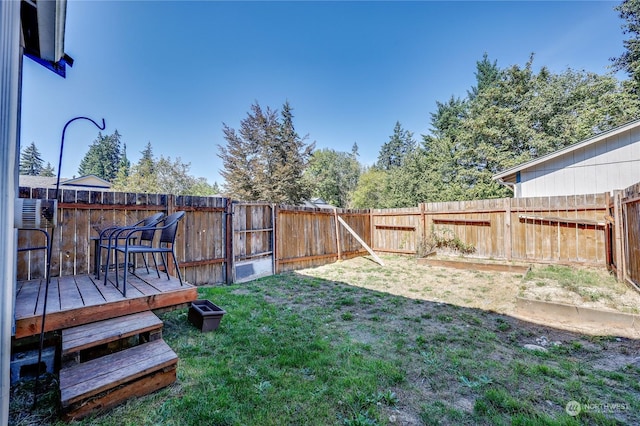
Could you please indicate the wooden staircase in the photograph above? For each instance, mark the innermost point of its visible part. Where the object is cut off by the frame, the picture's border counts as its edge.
(110, 361)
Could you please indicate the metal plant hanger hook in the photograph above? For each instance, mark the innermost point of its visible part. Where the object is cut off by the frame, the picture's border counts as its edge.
(62, 144)
(49, 244)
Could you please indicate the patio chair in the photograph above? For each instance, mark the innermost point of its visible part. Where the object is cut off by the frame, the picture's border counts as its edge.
(165, 244)
(106, 239)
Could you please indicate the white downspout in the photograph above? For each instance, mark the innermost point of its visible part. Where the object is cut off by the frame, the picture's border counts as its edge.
(10, 90)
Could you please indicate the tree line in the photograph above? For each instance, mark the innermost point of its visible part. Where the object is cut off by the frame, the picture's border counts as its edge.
(511, 115)
(107, 159)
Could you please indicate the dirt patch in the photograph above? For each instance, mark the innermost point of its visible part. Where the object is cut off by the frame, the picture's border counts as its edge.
(486, 290)
(600, 291)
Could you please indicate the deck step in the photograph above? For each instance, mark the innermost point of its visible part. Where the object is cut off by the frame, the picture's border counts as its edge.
(109, 380)
(97, 333)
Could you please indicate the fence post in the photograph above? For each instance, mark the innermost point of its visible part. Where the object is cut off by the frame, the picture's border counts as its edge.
(422, 235)
(274, 237)
(372, 228)
(507, 229)
(228, 237)
(620, 247)
(335, 216)
(171, 204)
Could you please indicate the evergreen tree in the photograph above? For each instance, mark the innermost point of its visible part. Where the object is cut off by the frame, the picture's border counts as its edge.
(487, 73)
(511, 116)
(629, 61)
(48, 170)
(124, 168)
(393, 153)
(354, 151)
(145, 164)
(31, 162)
(526, 115)
(266, 158)
(104, 157)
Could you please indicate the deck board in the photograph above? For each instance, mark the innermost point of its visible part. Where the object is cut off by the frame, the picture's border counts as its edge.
(27, 297)
(89, 292)
(81, 299)
(69, 294)
(142, 284)
(97, 333)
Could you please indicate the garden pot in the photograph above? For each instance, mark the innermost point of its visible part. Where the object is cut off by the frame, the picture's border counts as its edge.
(205, 315)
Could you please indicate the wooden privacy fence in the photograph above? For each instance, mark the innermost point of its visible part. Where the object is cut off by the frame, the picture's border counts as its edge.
(200, 243)
(215, 235)
(626, 207)
(225, 241)
(567, 229)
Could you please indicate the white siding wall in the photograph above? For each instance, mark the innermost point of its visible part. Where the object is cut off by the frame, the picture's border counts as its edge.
(10, 70)
(613, 163)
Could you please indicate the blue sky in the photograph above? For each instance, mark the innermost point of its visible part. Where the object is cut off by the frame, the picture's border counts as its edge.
(171, 73)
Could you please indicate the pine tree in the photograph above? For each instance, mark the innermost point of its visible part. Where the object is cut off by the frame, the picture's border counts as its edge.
(145, 164)
(124, 167)
(354, 150)
(48, 171)
(292, 155)
(487, 73)
(266, 158)
(393, 153)
(104, 157)
(629, 61)
(31, 161)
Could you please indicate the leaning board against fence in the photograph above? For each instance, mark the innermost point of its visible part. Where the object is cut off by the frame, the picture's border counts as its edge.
(306, 237)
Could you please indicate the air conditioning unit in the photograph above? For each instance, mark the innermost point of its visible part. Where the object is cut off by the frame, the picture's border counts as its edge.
(35, 214)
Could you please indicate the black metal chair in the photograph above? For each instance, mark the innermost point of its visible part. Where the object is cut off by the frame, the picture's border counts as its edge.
(107, 235)
(165, 244)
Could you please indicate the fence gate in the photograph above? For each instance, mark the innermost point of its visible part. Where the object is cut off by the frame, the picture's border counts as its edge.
(253, 226)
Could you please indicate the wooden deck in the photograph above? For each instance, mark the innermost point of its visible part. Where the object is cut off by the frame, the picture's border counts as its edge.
(81, 299)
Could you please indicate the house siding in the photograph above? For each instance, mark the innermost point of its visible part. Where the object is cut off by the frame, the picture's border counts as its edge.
(609, 164)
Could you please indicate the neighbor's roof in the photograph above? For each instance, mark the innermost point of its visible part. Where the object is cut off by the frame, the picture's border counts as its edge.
(509, 174)
(318, 203)
(89, 182)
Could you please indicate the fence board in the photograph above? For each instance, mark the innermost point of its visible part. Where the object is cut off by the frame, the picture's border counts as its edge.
(631, 229)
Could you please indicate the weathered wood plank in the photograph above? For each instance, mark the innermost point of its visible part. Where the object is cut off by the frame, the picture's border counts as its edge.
(89, 290)
(137, 388)
(69, 294)
(27, 298)
(84, 380)
(88, 335)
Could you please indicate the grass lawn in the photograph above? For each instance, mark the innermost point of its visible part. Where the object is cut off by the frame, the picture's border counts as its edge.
(298, 349)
